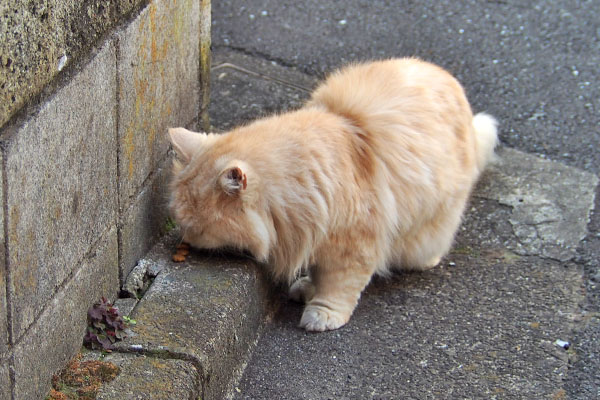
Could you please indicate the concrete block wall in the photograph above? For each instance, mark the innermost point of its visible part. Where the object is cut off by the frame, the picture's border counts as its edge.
(85, 161)
(41, 38)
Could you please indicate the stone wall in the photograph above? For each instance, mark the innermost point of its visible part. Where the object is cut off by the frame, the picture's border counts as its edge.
(88, 90)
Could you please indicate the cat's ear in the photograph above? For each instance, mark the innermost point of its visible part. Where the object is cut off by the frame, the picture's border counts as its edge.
(233, 179)
(186, 143)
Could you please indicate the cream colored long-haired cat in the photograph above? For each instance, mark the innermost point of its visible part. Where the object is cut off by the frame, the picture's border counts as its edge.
(372, 173)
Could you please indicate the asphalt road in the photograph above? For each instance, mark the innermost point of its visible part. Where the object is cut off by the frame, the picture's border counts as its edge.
(532, 64)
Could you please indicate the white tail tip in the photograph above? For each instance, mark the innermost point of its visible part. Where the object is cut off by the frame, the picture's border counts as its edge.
(486, 135)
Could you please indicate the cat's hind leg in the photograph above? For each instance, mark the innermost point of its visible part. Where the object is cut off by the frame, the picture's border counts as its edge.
(302, 290)
(423, 247)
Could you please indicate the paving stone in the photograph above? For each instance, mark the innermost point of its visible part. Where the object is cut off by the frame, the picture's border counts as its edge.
(550, 202)
(50, 160)
(207, 309)
(143, 377)
(158, 87)
(58, 333)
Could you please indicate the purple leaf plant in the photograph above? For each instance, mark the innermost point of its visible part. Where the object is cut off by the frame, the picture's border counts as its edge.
(105, 326)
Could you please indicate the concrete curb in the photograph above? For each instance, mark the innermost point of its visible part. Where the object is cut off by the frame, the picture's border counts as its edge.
(196, 326)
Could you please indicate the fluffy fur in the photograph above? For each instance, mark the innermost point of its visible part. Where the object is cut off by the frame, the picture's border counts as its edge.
(372, 173)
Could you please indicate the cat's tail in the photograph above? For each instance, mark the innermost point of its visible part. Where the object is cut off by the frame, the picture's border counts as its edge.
(486, 136)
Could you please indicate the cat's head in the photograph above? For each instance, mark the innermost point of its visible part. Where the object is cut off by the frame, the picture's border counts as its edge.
(215, 196)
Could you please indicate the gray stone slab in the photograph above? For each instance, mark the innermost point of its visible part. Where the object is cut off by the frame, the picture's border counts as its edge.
(146, 218)
(550, 203)
(5, 385)
(58, 333)
(158, 87)
(61, 185)
(207, 309)
(143, 377)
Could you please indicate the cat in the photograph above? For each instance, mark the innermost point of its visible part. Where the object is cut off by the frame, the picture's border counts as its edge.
(372, 173)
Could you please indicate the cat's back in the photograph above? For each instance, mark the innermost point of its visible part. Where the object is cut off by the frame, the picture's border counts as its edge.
(397, 88)
(413, 117)
(381, 77)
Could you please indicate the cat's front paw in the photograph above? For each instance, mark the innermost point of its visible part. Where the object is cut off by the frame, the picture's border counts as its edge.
(319, 319)
(302, 290)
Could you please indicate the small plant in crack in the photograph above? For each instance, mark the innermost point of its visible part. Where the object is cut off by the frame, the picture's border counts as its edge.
(106, 326)
(170, 224)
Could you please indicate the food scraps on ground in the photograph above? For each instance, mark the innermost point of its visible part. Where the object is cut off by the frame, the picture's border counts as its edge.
(183, 249)
(178, 257)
